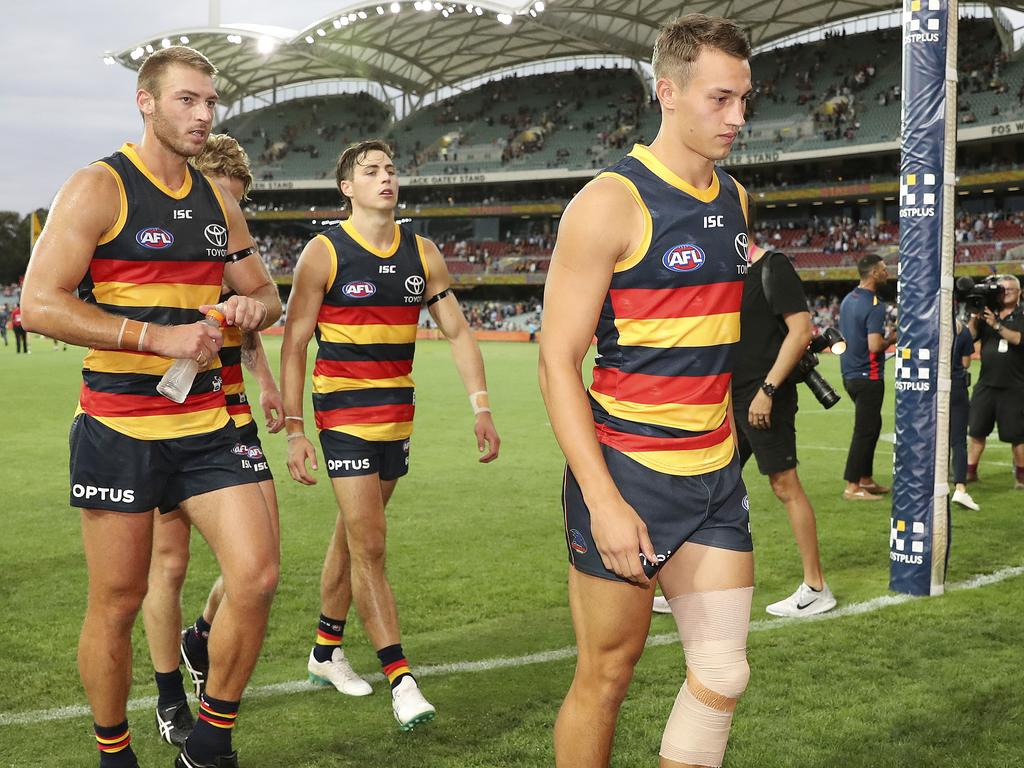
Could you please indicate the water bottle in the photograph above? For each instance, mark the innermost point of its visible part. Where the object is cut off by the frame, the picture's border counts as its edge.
(177, 381)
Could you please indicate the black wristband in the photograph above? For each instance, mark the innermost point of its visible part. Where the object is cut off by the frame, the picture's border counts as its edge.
(768, 389)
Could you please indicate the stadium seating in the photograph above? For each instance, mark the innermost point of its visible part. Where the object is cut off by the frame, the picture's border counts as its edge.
(815, 96)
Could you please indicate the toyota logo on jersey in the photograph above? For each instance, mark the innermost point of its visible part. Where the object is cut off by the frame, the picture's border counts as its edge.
(683, 258)
(154, 237)
(359, 289)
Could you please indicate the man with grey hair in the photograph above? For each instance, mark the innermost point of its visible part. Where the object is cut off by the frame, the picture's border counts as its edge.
(998, 399)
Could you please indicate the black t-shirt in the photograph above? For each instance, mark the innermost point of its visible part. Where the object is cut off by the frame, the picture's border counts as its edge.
(1002, 363)
(761, 334)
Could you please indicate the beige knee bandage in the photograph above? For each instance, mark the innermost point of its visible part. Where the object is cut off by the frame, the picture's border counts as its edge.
(713, 627)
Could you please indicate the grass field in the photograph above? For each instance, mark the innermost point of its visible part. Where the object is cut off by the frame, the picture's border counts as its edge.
(478, 564)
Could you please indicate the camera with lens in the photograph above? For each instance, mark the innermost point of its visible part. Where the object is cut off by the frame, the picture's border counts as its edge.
(804, 372)
(976, 297)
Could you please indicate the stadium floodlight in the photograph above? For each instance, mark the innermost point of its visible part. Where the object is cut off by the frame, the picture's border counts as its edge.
(533, 13)
(149, 49)
(344, 21)
(108, 60)
(137, 54)
(469, 7)
(361, 14)
(266, 45)
(539, 6)
(184, 39)
(380, 10)
(321, 32)
(352, 17)
(336, 23)
(505, 18)
(235, 39)
(165, 43)
(445, 13)
(309, 39)
(395, 7)
(479, 11)
(437, 6)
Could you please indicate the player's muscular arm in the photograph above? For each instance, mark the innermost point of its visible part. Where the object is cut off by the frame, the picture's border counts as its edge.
(601, 225)
(254, 358)
(468, 361)
(257, 304)
(88, 206)
(309, 285)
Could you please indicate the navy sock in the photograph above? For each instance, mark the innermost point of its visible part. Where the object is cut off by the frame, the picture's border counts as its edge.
(202, 627)
(115, 745)
(211, 736)
(328, 637)
(394, 664)
(170, 688)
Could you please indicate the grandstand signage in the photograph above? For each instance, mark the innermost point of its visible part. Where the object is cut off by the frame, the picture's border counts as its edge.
(918, 533)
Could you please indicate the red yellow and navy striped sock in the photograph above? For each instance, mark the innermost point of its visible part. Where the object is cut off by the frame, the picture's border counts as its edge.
(394, 663)
(211, 736)
(115, 745)
(328, 637)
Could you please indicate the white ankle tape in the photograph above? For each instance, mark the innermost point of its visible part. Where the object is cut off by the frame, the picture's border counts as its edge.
(713, 627)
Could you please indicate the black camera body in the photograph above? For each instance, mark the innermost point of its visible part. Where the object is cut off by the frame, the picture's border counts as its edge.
(805, 373)
(977, 297)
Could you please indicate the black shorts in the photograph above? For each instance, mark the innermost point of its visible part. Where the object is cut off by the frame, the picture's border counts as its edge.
(112, 471)
(250, 453)
(710, 509)
(991, 406)
(775, 447)
(350, 456)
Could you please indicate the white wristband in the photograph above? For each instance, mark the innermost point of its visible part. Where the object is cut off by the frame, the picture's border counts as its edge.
(480, 402)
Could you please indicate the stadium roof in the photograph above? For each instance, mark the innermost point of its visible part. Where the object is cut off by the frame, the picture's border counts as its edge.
(420, 46)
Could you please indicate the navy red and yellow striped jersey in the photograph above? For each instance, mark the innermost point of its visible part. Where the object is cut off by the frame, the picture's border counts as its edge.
(162, 259)
(366, 331)
(670, 320)
(231, 373)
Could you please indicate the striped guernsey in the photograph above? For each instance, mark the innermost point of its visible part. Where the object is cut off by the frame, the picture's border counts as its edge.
(670, 320)
(366, 331)
(162, 259)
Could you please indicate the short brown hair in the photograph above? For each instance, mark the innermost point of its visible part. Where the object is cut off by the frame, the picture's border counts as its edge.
(349, 159)
(681, 42)
(224, 156)
(153, 67)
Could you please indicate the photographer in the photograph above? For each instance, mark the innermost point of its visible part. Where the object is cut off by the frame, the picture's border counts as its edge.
(999, 394)
(765, 405)
(862, 323)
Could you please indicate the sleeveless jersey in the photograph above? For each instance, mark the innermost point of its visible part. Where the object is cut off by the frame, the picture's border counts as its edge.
(162, 259)
(670, 320)
(366, 331)
(231, 373)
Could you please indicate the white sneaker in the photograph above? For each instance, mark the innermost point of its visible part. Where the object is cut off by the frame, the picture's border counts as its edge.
(804, 602)
(963, 498)
(661, 605)
(339, 673)
(410, 708)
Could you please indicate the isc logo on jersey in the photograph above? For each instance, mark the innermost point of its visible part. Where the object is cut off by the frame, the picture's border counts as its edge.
(683, 258)
(154, 237)
(359, 289)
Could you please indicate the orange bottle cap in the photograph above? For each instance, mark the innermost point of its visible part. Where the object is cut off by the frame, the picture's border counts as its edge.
(217, 315)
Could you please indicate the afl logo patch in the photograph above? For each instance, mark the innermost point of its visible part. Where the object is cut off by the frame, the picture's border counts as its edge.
(216, 235)
(154, 237)
(359, 289)
(683, 258)
(576, 542)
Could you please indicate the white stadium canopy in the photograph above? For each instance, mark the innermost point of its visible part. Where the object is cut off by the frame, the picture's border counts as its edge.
(420, 47)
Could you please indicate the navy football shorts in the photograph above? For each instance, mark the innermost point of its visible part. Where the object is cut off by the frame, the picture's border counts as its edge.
(710, 509)
(350, 456)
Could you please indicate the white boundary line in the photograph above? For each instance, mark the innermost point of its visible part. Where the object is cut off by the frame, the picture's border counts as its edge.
(506, 662)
